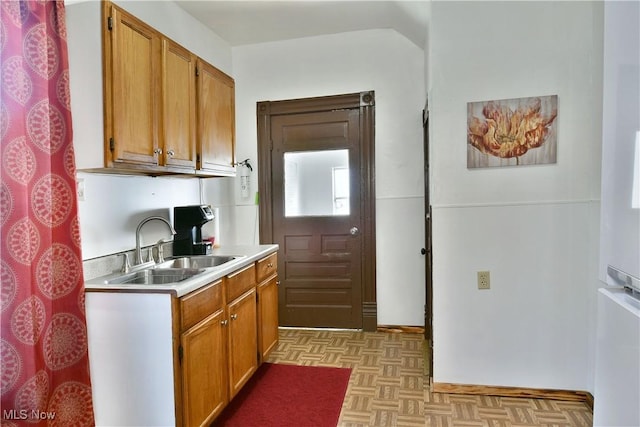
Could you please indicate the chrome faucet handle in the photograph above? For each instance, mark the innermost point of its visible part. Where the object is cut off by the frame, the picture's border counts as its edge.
(160, 250)
(125, 263)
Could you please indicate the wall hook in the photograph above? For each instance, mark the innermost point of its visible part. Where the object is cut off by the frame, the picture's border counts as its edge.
(245, 162)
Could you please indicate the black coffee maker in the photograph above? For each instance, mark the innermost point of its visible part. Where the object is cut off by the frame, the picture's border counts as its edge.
(188, 222)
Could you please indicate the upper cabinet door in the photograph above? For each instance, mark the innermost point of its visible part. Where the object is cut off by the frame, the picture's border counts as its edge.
(216, 120)
(179, 105)
(132, 79)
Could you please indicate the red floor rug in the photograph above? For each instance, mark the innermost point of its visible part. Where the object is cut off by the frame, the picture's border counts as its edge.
(288, 395)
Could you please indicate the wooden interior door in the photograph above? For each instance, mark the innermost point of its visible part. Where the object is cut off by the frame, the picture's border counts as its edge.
(427, 250)
(326, 240)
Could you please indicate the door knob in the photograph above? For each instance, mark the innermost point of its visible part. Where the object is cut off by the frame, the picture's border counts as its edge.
(423, 251)
(354, 231)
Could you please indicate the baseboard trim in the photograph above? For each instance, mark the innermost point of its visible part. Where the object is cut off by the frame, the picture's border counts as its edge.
(401, 329)
(536, 393)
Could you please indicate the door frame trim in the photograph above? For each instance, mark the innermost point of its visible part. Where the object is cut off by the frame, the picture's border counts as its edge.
(365, 102)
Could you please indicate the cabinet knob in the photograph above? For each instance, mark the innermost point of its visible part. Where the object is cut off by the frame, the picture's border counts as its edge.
(278, 283)
(234, 316)
(157, 151)
(171, 153)
(224, 322)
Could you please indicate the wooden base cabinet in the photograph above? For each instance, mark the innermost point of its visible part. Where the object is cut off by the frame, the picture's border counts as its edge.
(203, 367)
(185, 357)
(218, 350)
(202, 356)
(240, 288)
(243, 359)
(267, 289)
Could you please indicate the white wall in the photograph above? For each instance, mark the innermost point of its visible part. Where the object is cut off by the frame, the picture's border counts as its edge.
(620, 215)
(392, 66)
(534, 228)
(113, 204)
(168, 18)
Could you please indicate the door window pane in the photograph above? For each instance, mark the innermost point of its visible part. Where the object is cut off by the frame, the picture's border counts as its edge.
(316, 183)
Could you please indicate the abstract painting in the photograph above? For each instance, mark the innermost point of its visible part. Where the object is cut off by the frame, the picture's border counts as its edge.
(512, 132)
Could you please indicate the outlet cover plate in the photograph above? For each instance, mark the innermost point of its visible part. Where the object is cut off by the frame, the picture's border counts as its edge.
(484, 281)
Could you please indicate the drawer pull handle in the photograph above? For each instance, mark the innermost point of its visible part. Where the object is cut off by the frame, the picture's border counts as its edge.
(269, 265)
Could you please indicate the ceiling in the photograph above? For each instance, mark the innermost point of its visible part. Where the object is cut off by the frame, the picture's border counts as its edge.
(243, 22)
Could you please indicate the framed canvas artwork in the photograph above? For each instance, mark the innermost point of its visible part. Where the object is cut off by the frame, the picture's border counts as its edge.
(512, 132)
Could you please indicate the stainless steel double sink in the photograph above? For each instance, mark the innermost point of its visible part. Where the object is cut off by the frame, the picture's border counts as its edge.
(173, 270)
(196, 261)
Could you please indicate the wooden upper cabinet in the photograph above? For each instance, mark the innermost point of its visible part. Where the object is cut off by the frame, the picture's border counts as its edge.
(216, 120)
(166, 110)
(132, 79)
(179, 105)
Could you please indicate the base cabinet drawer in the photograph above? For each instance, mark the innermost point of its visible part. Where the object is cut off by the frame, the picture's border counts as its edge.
(239, 282)
(266, 267)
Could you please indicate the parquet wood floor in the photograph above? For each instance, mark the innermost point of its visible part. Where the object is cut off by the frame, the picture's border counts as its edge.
(388, 386)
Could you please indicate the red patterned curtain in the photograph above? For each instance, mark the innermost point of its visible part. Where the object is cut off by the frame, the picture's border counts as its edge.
(45, 368)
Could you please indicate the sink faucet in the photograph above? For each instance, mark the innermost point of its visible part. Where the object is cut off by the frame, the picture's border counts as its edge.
(143, 222)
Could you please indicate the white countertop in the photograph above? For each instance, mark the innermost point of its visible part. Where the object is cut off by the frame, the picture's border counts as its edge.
(623, 299)
(246, 254)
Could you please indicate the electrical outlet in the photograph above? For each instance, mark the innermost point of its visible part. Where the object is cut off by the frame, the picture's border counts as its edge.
(80, 189)
(483, 280)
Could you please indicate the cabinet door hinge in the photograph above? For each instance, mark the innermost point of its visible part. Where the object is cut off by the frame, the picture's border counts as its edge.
(197, 158)
(112, 145)
(110, 23)
(180, 354)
